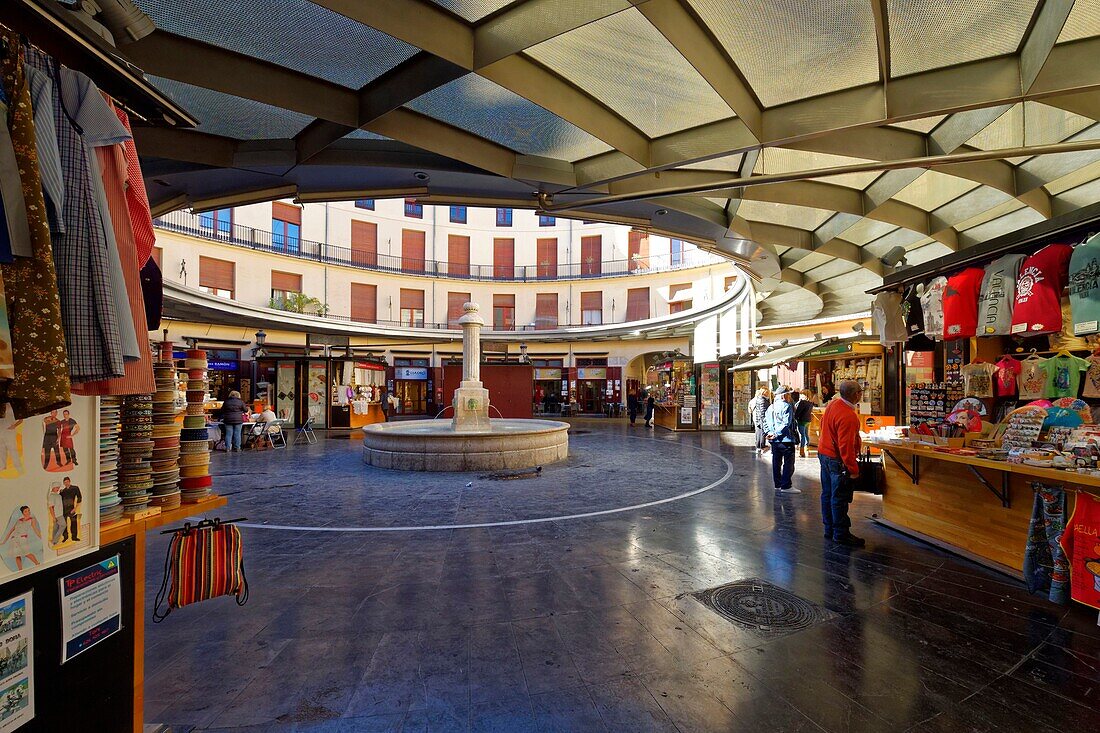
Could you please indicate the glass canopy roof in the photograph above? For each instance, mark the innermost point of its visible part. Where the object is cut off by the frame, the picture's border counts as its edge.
(804, 139)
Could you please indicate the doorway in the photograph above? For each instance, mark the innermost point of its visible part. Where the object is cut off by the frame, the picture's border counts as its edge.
(413, 396)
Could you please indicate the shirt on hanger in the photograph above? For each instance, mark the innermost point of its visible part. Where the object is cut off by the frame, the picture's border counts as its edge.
(1092, 377)
(1063, 375)
(931, 302)
(889, 320)
(1039, 288)
(1084, 286)
(997, 295)
(912, 312)
(1032, 380)
(960, 303)
(978, 379)
(1008, 369)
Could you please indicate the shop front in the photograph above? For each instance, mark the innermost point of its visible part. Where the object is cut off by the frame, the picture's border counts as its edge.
(550, 389)
(671, 382)
(859, 359)
(410, 385)
(328, 390)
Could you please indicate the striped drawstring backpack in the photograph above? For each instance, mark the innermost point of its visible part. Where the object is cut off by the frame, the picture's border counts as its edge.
(203, 561)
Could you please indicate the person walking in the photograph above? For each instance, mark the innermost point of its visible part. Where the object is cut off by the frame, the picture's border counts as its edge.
(838, 451)
(758, 407)
(233, 421)
(782, 433)
(632, 407)
(650, 406)
(803, 414)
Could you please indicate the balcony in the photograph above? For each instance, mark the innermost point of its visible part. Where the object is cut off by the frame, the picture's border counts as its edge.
(183, 222)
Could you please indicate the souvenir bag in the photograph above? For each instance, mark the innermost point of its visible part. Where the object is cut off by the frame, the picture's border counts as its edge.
(203, 562)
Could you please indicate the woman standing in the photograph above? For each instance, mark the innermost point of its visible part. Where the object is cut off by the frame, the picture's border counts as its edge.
(233, 421)
(758, 407)
(803, 414)
(632, 407)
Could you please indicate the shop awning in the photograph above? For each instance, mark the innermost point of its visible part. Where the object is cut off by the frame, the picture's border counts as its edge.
(778, 356)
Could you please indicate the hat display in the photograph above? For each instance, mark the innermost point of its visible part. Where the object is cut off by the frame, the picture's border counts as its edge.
(194, 459)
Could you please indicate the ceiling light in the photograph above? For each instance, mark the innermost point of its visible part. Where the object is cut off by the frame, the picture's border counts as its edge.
(661, 212)
(421, 176)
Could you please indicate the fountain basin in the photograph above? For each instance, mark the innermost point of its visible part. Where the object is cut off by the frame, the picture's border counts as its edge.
(432, 445)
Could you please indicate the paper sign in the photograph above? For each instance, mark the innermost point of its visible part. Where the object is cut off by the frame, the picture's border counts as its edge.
(16, 663)
(91, 607)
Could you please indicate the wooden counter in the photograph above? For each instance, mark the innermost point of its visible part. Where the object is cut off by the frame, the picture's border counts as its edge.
(374, 415)
(976, 507)
(137, 530)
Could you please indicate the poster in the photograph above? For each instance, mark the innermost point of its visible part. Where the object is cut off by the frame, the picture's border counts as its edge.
(317, 392)
(49, 487)
(285, 380)
(91, 607)
(16, 663)
(687, 415)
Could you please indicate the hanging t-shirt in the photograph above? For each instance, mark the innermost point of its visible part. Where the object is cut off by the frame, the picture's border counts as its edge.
(1039, 288)
(913, 313)
(1004, 382)
(960, 303)
(888, 317)
(1092, 378)
(978, 379)
(1084, 286)
(931, 301)
(1032, 380)
(1063, 375)
(1081, 543)
(997, 295)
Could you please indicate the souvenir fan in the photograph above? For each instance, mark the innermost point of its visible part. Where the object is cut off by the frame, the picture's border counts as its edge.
(1062, 417)
(971, 403)
(1077, 405)
(968, 419)
(1039, 403)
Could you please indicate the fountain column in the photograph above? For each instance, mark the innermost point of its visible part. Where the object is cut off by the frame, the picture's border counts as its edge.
(471, 400)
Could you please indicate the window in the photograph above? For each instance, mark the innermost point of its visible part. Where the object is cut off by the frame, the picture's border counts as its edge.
(364, 204)
(504, 313)
(458, 255)
(282, 284)
(217, 277)
(546, 311)
(679, 298)
(158, 257)
(637, 304)
(504, 217)
(591, 255)
(592, 308)
(364, 302)
(677, 257)
(458, 214)
(637, 251)
(730, 282)
(546, 250)
(412, 250)
(364, 243)
(286, 227)
(219, 221)
(504, 259)
(413, 209)
(412, 308)
(547, 221)
(455, 301)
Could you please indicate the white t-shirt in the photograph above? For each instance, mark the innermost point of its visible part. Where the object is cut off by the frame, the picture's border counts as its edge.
(931, 302)
(997, 296)
(889, 319)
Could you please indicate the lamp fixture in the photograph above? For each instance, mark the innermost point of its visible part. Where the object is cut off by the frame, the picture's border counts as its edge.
(421, 176)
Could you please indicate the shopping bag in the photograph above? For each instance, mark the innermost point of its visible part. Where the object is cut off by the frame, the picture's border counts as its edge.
(203, 562)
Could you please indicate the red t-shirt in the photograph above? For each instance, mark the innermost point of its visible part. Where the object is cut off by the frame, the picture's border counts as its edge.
(1007, 371)
(1039, 287)
(1081, 542)
(960, 304)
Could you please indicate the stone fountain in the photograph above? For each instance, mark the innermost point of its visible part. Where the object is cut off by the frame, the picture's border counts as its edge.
(470, 441)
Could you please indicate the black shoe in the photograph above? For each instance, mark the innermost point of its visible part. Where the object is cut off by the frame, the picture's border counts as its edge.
(850, 540)
(76, 539)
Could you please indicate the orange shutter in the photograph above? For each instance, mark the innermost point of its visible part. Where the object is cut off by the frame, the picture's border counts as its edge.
(286, 212)
(458, 255)
(364, 243)
(546, 311)
(678, 297)
(286, 281)
(364, 302)
(504, 312)
(217, 274)
(158, 253)
(638, 250)
(412, 250)
(637, 304)
(412, 299)
(591, 255)
(455, 301)
(504, 259)
(547, 253)
(592, 301)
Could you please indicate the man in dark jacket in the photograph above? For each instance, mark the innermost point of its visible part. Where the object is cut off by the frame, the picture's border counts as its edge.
(233, 421)
(650, 406)
(632, 407)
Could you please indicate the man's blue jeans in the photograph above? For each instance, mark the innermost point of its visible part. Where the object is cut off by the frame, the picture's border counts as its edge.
(782, 464)
(834, 497)
(233, 436)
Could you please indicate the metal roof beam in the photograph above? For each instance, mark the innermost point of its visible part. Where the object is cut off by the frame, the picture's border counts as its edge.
(1045, 29)
(438, 137)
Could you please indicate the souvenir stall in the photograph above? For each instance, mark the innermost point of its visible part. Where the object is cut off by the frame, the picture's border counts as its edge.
(1000, 459)
(96, 448)
(672, 383)
(858, 358)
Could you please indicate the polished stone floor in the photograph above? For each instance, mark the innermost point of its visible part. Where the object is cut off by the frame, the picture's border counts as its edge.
(557, 612)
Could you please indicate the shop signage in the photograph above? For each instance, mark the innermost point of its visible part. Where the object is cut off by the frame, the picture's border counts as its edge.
(327, 339)
(410, 373)
(494, 347)
(828, 350)
(592, 373)
(371, 365)
(223, 366)
(91, 607)
(547, 373)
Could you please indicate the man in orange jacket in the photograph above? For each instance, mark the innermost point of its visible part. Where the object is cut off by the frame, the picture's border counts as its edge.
(838, 450)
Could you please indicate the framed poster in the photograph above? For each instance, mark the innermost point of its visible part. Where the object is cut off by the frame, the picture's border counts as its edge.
(49, 487)
(16, 662)
(317, 393)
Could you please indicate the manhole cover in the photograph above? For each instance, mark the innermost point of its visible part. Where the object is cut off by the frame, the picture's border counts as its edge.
(763, 607)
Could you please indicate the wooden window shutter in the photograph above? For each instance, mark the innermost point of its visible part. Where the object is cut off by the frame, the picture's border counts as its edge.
(217, 274)
(591, 255)
(364, 243)
(364, 302)
(458, 255)
(637, 304)
(158, 257)
(286, 212)
(455, 301)
(412, 299)
(504, 258)
(286, 281)
(638, 250)
(547, 253)
(546, 311)
(592, 300)
(412, 250)
(504, 301)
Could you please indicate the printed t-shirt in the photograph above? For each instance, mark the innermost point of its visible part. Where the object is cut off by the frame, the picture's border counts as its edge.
(997, 294)
(889, 321)
(1063, 375)
(932, 303)
(1084, 286)
(960, 303)
(1039, 288)
(1007, 371)
(1092, 378)
(913, 313)
(1081, 543)
(978, 379)
(1032, 380)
